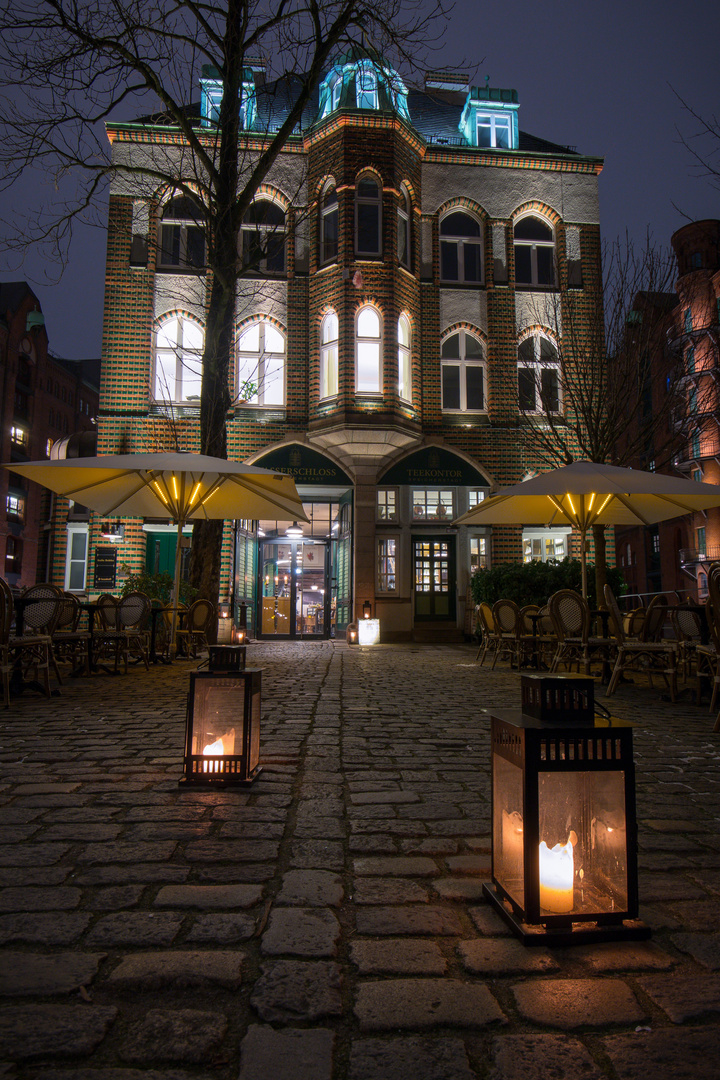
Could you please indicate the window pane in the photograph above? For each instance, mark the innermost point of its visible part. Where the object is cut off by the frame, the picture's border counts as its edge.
(484, 131)
(170, 245)
(368, 367)
(330, 234)
(403, 331)
(532, 228)
(459, 224)
(526, 389)
(450, 386)
(472, 262)
(547, 349)
(473, 348)
(523, 264)
(502, 132)
(546, 266)
(192, 335)
(273, 389)
(330, 328)
(276, 253)
(368, 323)
(274, 341)
(191, 376)
(526, 350)
(549, 384)
(450, 347)
(195, 247)
(474, 377)
(167, 335)
(367, 188)
(368, 228)
(165, 366)
(448, 261)
(250, 339)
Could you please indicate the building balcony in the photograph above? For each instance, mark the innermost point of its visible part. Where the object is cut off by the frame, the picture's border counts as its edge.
(690, 556)
(707, 446)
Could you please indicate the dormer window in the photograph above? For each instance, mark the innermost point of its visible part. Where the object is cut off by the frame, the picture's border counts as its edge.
(494, 130)
(361, 81)
(366, 91)
(490, 118)
(211, 92)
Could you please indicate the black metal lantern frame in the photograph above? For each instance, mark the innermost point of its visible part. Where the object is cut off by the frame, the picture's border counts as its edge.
(222, 735)
(564, 846)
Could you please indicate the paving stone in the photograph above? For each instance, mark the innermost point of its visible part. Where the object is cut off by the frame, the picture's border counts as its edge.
(500, 956)
(317, 854)
(698, 915)
(623, 956)
(120, 1074)
(434, 845)
(286, 1055)
(31, 854)
(155, 969)
(146, 874)
(401, 1058)
(81, 832)
(292, 990)
(654, 887)
(14, 876)
(541, 1057)
(224, 929)
(135, 928)
(684, 997)
(705, 948)
(57, 973)
(32, 1031)
(424, 1003)
(488, 922)
(231, 850)
(400, 866)
(388, 891)
(572, 1003)
(398, 956)
(126, 851)
(320, 888)
(457, 888)
(666, 1054)
(301, 932)
(235, 873)
(425, 919)
(47, 928)
(362, 798)
(470, 864)
(378, 844)
(209, 896)
(116, 897)
(185, 1035)
(35, 898)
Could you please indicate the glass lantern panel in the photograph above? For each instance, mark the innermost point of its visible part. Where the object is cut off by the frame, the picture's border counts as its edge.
(583, 842)
(508, 811)
(254, 753)
(218, 720)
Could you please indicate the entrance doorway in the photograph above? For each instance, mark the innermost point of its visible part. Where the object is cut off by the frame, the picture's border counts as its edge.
(434, 577)
(295, 598)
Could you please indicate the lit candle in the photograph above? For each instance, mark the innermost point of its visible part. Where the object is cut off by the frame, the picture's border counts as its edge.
(557, 871)
(217, 749)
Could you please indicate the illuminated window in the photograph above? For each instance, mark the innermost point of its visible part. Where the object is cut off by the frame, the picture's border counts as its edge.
(475, 497)
(368, 217)
(329, 356)
(15, 504)
(462, 366)
(494, 130)
(368, 351)
(76, 558)
(534, 252)
(20, 437)
(403, 227)
(386, 563)
(404, 359)
(387, 504)
(539, 545)
(478, 553)
(261, 365)
(460, 248)
(182, 235)
(329, 226)
(538, 375)
(263, 237)
(366, 90)
(179, 344)
(432, 504)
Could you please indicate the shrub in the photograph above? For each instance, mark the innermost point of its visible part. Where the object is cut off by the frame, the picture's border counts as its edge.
(535, 582)
(156, 586)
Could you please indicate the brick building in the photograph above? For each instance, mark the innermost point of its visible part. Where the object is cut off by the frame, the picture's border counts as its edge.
(412, 250)
(673, 556)
(49, 406)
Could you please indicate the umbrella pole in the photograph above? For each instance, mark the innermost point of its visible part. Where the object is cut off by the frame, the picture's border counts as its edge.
(583, 561)
(176, 591)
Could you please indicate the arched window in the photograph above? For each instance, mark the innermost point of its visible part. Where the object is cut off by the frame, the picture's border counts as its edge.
(403, 227)
(366, 87)
(404, 359)
(463, 370)
(460, 248)
(534, 252)
(263, 237)
(368, 351)
(261, 365)
(329, 356)
(182, 235)
(368, 217)
(179, 343)
(538, 375)
(329, 225)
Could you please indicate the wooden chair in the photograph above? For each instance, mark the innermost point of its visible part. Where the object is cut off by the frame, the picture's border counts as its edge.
(193, 633)
(647, 653)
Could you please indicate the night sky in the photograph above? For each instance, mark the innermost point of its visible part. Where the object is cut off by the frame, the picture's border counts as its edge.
(602, 76)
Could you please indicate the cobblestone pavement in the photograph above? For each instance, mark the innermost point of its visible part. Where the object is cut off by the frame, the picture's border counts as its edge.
(328, 923)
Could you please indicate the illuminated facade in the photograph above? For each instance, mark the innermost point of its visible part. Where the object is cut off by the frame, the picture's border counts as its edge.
(410, 253)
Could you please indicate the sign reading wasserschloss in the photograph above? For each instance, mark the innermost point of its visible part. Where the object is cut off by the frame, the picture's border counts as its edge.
(305, 465)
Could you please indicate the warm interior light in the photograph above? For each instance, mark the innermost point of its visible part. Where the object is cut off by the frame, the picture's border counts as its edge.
(294, 531)
(557, 874)
(217, 749)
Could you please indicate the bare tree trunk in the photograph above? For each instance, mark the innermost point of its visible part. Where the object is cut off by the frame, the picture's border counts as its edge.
(600, 564)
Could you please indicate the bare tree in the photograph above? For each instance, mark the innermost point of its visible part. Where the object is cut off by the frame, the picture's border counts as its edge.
(611, 388)
(68, 66)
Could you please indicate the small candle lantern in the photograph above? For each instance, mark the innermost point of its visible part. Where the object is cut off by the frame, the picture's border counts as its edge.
(564, 845)
(222, 736)
(351, 634)
(367, 610)
(240, 632)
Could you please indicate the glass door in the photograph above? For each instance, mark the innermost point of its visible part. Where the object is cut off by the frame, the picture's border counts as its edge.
(434, 578)
(310, 591)
(295, 599)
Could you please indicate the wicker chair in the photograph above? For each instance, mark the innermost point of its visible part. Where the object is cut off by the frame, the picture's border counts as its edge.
(512, 637)
(70, 644)
(647, 653)
(130, 635)
(33, 649)
(571, 619)
(489, 637)
(193, 633)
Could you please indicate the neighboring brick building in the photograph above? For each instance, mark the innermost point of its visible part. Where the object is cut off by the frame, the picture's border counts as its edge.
(414, 250)
(673, 556)
(49, 406)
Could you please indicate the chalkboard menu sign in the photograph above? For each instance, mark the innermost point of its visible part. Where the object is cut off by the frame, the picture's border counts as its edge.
(105, 568)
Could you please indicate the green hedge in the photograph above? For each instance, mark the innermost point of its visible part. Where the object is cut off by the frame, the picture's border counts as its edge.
(535, 582)
(156, 586)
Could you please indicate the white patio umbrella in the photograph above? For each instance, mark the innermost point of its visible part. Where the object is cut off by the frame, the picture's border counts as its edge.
(584, 494)
(183, 487)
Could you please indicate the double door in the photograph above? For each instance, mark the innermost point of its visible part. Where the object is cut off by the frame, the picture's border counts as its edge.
(294, 595)
(434, 578)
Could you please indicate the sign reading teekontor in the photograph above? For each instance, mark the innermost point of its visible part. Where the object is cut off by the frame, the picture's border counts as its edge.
(435, 465)
(305, 465)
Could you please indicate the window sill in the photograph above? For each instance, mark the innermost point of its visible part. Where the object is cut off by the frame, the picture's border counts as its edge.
(174, 408)
(461, 284)
(192, 271)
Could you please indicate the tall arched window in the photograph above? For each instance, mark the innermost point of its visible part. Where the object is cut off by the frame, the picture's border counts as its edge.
(460, 248)
(403, 227)
(263, 237)
(179, 343)
(261, 365)
(182, 235)
(366, 87)
(463, 370)
(538, 375)
(368, 351)
(368, 217)
(404, 359)
(329, 225)
(329, 356)
(534, 252)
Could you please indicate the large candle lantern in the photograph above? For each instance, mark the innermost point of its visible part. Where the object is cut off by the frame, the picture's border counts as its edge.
(564, 844)
(222, 737)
